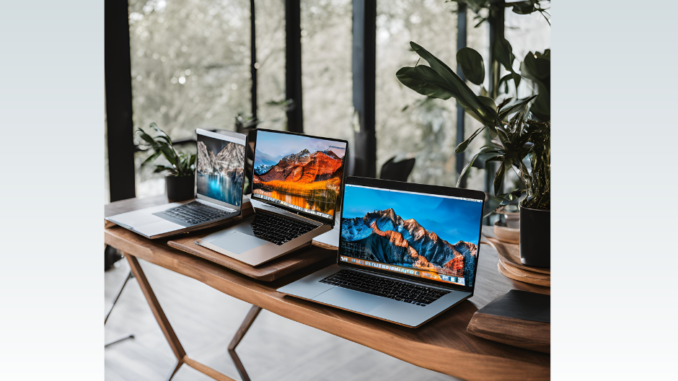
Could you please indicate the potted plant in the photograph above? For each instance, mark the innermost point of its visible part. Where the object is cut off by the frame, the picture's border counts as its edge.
(180, 181)
(520, 132)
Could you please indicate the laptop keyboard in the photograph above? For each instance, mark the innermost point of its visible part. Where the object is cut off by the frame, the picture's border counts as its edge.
(195, 213)
(278, 229)
(388, 288)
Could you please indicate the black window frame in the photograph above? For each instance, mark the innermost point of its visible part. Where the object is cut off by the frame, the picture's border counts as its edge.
(120, 128)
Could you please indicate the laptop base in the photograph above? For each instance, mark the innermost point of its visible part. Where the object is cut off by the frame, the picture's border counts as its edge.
(408, 315)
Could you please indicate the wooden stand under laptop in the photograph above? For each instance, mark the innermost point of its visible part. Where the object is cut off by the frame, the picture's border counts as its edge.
(442, 345)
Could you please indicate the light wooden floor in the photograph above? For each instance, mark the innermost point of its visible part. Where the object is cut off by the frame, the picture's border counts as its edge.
(275, 348)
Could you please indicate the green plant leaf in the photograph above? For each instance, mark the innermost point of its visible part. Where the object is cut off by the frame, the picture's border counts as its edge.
(516, 79)
(150, 158)
(489, 102)
(463, 145)
(504, 54)
(542, 105)
(169, 154)
(503, 137)
(462, 93)
(495, 158)
(499, 177)
(486, 150)
(523, 7)
(493, 203)
(483, 158)
(505, 79)
(472, 65)
(503, 103)
(516, 107)
(146, 137)
(425, 81)
(484, 92)
(161, 134)
(161, 168)
(537, 68)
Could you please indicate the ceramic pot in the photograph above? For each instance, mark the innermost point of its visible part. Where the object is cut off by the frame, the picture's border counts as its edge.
(180, 188)
(535, 237)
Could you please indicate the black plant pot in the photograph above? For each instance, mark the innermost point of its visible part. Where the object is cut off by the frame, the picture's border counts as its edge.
(180, 188)
(535, 237)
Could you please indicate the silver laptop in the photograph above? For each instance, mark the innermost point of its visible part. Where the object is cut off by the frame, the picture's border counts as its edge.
(407, 252)
(220, 169)
(297, 182)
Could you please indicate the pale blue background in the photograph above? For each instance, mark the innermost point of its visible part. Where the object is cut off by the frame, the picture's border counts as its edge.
(614, 179)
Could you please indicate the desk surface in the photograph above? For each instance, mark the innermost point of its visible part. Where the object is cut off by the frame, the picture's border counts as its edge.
(442, 345)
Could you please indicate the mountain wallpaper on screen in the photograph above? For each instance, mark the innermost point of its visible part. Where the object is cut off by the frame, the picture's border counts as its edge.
(220, 176)
(305, 179)
(383, 236)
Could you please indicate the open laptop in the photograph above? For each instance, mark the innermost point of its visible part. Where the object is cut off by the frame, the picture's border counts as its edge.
(220, 169)
(297, 182)
(407, 252)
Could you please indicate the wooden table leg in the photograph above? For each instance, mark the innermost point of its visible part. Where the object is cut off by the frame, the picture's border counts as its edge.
(159, 314)
(244, 327)
(167, 329)
(175, 370)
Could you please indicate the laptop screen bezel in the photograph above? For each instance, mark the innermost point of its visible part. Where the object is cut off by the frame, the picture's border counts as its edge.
(223, 136)
(327, 221)
(417, 188)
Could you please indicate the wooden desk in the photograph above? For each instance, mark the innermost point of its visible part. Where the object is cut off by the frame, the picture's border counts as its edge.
(442, 345)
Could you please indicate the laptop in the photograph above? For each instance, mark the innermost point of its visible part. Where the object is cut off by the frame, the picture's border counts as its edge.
(220, 169)
(296, 185)
(407, 252)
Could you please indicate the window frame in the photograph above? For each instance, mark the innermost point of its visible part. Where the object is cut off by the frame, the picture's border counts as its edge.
(362, 161)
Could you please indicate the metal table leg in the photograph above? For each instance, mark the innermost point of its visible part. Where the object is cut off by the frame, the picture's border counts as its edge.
(244, 327)
(115, 301)
(130, 336)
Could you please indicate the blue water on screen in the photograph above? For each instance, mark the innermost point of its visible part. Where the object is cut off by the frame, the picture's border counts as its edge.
(220, 188)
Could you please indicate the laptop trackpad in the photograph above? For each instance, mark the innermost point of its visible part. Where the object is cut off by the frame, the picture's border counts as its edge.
(237, 242)
(350, 300)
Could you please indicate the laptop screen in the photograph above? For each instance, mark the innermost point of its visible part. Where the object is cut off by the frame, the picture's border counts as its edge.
(220, 167)
(299, 172)
(415, 234)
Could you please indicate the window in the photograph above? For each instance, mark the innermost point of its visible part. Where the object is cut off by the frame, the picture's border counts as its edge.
(479, 40)
(190, 69)
(408, 124)
(270, 44)
(326, 46)
(526, 33)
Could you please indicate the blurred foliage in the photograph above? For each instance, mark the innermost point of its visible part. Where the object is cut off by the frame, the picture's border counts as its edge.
(519, 7)
(190, 62)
